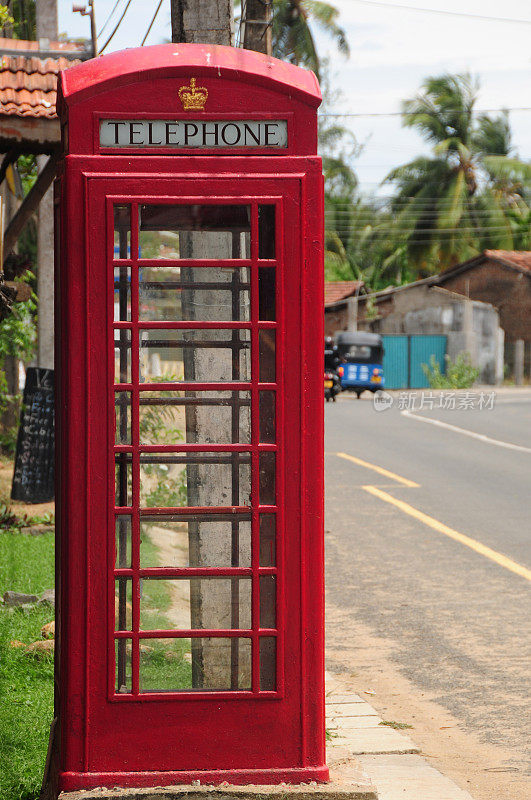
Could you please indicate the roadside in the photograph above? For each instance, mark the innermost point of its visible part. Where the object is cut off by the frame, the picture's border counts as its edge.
(428, 580)
(389, 759)
(485, 771)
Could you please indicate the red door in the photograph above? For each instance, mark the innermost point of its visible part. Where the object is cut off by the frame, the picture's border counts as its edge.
(194, 597)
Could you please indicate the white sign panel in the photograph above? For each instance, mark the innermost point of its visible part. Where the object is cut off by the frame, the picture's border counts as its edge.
(198, 133)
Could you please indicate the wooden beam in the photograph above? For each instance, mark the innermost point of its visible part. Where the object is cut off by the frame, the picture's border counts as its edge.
(37, 134)
(8, 159)
(30, 204)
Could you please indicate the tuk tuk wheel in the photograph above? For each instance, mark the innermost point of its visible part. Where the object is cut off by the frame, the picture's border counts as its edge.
(358, 395)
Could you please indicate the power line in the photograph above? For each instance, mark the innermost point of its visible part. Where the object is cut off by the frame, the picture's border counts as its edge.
(402, 6)
(109, 17)
(414, 113)
(151, 24)
(116, 26)
(404, 200)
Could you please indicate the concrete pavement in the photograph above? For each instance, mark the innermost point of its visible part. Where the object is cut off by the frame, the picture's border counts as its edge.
(389, 759)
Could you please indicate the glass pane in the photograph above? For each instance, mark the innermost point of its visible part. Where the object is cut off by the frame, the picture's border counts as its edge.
(195, 479)
(266, 354)
(267, 417)
(201, 293)
(202, 664)
(123, 665)
(195, 417)
(268, 663)
(209, 231)
(268, 601)
(122, 294)
(195, 603)
(266, 231)
(195, 540)
(123, 479)
(123, 608)
(267, 479)
(122, 231)
(195, 355)
(266, 294)
(122, 356)
(123, 541)
(268, 540)
(122, 417)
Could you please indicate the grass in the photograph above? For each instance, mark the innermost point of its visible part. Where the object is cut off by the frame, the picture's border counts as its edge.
(165, 666)
(397, 726)
(26, 684)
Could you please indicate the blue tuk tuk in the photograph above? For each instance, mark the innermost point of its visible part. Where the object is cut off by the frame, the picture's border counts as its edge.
(360, 355)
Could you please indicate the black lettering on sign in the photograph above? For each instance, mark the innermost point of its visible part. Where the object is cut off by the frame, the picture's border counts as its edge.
(133, 131)
(151, 140)
(116, 136)
(188, 133)
(33, 478)
(214, 133)
(233, 138)
(249, 132)
(269, 134)
(171, 131)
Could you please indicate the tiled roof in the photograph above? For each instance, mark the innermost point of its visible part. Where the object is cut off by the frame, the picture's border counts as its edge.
(28, 86)
(517, 258)
(335, 291)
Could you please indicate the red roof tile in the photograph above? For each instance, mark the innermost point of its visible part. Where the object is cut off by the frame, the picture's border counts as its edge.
(335, 291)
(517, 258)
(28, 86)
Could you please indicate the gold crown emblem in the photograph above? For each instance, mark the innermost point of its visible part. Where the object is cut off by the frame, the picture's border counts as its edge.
(193, 98)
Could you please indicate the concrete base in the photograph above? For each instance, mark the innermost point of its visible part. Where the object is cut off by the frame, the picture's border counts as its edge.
(361, 789)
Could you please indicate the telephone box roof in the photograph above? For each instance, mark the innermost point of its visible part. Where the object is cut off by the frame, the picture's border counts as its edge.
(135, 64)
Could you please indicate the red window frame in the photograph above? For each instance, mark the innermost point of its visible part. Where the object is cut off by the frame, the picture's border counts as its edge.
(135, 573)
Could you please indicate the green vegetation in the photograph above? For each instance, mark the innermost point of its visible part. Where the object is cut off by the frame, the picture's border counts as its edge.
(293, 38)
(460, 374)
(397, 726)
(472, 193)
(26, 705)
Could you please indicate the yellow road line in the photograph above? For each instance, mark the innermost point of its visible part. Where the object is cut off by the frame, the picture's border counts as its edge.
(482, 549)
(380, 470)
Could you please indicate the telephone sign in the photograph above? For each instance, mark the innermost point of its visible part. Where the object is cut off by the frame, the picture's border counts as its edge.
(190, 496)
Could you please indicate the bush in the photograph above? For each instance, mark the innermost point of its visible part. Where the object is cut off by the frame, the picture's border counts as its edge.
(460, 374)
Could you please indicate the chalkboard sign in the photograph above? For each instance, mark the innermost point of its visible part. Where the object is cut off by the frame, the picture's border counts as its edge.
(33, 478)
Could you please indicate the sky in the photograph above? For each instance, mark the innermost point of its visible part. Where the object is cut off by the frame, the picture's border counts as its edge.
(393, 49)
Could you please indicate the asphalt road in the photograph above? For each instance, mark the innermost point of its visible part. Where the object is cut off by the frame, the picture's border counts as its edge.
(455, 618)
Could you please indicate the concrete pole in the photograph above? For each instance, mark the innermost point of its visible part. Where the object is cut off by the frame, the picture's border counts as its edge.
(211, 22)
(352, 313)
(202, 21)
(519, 362)
(500, 360)
(46, 15)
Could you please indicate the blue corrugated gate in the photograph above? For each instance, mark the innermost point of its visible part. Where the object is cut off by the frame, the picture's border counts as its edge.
(395, 361)
(404, 356)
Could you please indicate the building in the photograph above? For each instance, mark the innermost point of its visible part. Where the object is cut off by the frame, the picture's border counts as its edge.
(29, 125)
(341, 305)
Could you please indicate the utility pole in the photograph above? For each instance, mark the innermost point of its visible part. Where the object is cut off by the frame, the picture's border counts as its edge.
(46, 18)
(202, 21)
(256, 25)
(211, 22)
(76, 8)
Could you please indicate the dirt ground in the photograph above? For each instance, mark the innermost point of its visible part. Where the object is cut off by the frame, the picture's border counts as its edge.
(20, 509)
(482, 769)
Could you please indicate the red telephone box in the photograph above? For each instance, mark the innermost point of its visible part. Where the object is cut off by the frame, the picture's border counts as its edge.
(190, 421)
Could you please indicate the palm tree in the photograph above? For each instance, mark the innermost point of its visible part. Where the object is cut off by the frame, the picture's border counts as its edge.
(467, 195)
(292, 24)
